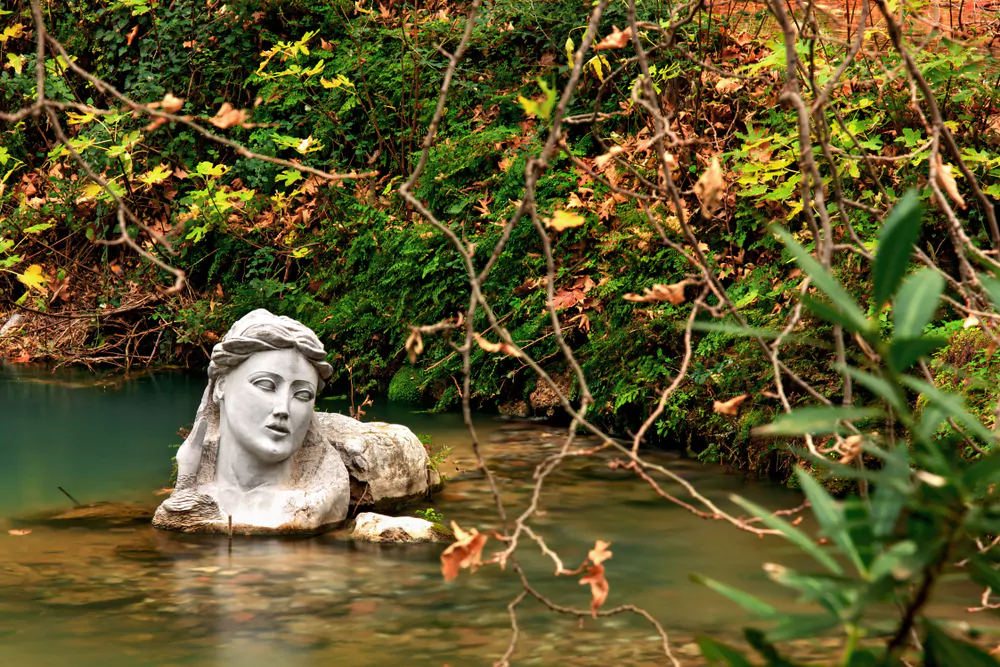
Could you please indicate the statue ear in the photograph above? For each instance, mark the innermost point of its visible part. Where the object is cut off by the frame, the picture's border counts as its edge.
(220, 389)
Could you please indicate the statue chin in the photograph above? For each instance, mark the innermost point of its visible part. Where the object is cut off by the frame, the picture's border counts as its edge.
(260, 460)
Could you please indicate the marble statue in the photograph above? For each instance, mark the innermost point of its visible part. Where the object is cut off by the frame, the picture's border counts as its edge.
(260, 455)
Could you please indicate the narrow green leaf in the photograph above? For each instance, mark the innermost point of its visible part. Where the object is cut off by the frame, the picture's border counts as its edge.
(916, 303)
(830, 516)
(983, 572)
(941, 650)
(895, 245)
(791, 533)
(983, 473)
(802, 626)
(815, 420)
(828, 313)
(904, 352)
(825, 282)
(893, 559)
(952, 406)
(878, 386)
(749, 602)
(718, 653)
(992, 286)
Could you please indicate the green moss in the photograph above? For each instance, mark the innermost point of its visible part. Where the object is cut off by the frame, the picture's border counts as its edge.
(405, 386)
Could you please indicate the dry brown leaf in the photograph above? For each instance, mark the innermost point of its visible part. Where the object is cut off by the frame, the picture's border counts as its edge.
(131, 36)
(602, 160)
(672, 293)
(171, 104)
(227, 116)
(325, 45)
(710, 189)
(19, 532)
(946, 181)
(465, 553)
(726, 86)
(575, 201)
(971, 321)
(598, 587)
(414, 345)
(384, 11)
(730, 407)
(506, 348)
(616, 40)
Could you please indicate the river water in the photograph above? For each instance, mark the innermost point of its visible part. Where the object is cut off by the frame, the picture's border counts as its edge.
(116, 592)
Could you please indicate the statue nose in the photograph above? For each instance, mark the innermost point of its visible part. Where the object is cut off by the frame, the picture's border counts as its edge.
(280, 411)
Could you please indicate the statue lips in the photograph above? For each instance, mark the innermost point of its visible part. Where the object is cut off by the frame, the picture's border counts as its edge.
(277, 430)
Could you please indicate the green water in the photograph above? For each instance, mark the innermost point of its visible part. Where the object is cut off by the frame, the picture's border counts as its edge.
(97, 594)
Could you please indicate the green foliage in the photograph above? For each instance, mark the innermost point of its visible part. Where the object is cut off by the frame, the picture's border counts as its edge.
(927, 509)
(431, 514)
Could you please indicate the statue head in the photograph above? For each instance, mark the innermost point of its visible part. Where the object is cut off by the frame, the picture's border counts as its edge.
(264, 377)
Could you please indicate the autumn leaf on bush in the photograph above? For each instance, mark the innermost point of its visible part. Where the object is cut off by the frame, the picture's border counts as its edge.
(506, 348)
(227, 116)
(730, 407)
(672, 293)
(598, 587)
(600, 552)
(946, 181)
(34, 278)
(131, 36)
(564, 220)
(710, 188)
(851, 449)
(616, 40)
(465, 553)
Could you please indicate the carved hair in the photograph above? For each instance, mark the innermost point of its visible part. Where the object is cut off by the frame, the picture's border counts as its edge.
(261, 331)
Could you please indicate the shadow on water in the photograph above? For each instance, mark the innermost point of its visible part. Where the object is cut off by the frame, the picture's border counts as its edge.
(94, 587)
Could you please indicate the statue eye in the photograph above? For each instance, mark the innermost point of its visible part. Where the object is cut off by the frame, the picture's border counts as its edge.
(266, 384)
(304, 395)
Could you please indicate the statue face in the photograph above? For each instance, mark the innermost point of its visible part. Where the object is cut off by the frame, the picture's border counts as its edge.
(267, 403)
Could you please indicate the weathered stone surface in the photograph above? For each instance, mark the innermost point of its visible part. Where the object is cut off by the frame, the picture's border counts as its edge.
(387, 463)
(371, 527)
(544, 401)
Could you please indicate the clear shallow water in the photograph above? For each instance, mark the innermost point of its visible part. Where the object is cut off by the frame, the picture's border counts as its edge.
(94, 593)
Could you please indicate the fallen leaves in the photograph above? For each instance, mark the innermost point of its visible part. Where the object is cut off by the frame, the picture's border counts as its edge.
(672, 293)
(465, 553)
(730, 407)
(710, 189)
(563, 219)
(19, 532)
(616, 40)
(227, 116)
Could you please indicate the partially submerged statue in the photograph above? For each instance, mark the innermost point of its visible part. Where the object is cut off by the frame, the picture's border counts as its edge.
(260, 455)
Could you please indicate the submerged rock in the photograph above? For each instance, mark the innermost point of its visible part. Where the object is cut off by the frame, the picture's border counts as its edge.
(371, 527)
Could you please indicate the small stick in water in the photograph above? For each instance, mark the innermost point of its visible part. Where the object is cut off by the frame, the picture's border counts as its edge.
(230, 534)
(66, 493)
